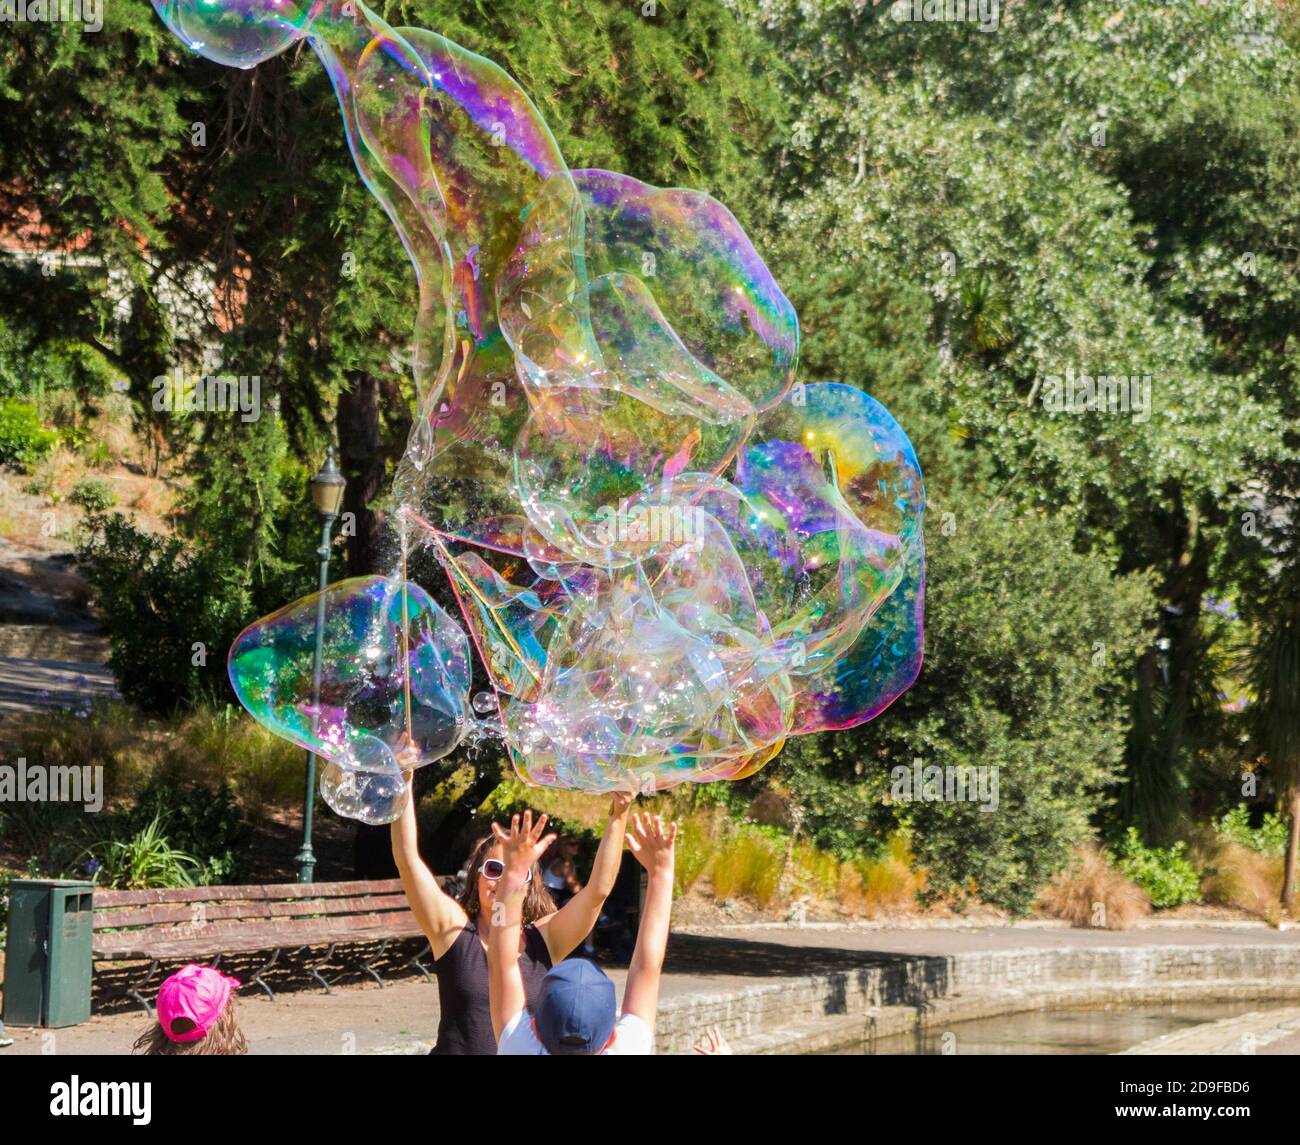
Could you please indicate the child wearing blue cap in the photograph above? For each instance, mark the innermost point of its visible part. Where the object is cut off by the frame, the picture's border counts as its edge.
(577, 1010)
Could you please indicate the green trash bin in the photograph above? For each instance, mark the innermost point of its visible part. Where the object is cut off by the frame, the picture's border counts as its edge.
(48, 953)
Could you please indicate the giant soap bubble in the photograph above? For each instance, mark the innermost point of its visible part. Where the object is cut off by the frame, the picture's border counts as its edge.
(669, 555)
(393, 683)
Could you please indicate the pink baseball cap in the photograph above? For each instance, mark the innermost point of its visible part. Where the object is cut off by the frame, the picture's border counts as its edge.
(197, 994)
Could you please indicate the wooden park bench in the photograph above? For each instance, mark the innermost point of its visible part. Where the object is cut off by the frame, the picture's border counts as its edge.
(207, 923)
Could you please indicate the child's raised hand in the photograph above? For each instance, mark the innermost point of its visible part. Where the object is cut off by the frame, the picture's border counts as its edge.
(651, 842)
(714, 1043)
(523, 845)
(620, 803)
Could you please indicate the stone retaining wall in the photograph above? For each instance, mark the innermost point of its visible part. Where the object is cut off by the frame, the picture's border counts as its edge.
(895, 991)
(1140, 965)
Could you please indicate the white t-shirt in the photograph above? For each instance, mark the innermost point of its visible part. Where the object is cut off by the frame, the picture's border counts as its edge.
(631, 1036)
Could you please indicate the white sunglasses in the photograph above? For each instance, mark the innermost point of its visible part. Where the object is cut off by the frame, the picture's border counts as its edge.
(493, 869)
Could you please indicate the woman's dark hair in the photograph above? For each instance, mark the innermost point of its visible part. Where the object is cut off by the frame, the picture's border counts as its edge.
(537, 902)
(223, 1039)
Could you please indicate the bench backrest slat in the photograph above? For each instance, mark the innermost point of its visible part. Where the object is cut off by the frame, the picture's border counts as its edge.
(169, 913)
(180, 921)
(110, 899)
(286, 932)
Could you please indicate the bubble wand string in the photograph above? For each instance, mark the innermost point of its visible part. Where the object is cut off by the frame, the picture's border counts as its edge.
(490, 609)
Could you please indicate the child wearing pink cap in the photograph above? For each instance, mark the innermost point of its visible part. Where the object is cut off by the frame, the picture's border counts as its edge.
(196, 1015)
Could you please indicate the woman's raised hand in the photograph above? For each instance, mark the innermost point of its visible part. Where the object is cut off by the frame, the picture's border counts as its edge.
(407, 756)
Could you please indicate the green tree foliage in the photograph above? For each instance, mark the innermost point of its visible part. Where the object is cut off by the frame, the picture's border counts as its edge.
(1028, 650)
(173, 606)
(232, 195)
(1079, 189)
(1167, 874)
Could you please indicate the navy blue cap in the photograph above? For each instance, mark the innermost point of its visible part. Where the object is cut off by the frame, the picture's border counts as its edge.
(576, 1009)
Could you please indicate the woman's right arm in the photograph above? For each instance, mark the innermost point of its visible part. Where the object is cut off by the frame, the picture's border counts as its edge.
(440, 916)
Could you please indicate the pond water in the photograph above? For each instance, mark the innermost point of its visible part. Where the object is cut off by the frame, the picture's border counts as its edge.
(1078, 1030)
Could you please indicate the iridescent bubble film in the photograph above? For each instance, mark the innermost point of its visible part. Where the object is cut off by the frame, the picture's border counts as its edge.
(394, 674)
(372, 788)
(240, 33)
(669, 555)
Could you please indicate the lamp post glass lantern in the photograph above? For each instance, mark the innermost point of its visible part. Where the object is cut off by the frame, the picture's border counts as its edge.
(327, 496)
(327, 488)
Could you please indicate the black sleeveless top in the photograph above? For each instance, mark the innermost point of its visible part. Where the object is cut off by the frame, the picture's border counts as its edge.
(465, 1025)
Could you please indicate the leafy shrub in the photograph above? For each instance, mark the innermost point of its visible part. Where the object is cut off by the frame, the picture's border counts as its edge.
(1166, 874)
(98, 454)
(998, 642)
(158, 597)
(93, 495)
(75, 436)
(23, 439)
(205, 825)
(244, 546)
(1269, 838)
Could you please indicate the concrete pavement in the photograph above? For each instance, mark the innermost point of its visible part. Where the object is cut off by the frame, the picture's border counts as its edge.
(775, 984)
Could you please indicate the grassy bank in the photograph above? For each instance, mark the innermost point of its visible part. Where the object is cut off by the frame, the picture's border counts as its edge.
(199, 797)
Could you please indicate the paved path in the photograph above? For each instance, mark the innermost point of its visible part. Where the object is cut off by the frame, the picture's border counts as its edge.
(401, 1017)
(27, 684)
(1271, 1032)
(51, 652)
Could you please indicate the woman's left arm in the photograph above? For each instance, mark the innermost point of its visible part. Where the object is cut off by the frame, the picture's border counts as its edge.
(565, 929)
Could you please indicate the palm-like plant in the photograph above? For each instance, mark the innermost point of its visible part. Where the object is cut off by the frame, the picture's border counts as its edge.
(986, 317)
(144, 859)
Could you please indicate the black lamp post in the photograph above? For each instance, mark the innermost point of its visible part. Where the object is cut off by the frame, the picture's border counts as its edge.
(327, 495)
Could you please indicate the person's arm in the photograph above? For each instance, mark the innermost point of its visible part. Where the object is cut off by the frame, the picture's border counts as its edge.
(653, 845)
(523, 846)
(440, 916)
(573, 922)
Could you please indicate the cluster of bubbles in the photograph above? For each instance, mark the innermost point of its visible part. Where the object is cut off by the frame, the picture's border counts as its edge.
(669, 555)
